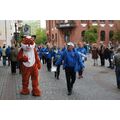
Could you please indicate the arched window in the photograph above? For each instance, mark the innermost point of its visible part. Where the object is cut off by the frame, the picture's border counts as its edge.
(102, 35)
(67, 36)
(111, 35)
(52, 36)
(83, 21)
(102, 21)
(83, 34)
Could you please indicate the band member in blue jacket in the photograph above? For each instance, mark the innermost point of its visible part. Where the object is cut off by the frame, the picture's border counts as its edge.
(42, 50)
(72, 63)
(64, 47)
(48, 54)
(82, 51)
(57, 55)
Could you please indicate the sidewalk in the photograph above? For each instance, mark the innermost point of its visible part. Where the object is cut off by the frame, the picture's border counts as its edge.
(99, 83)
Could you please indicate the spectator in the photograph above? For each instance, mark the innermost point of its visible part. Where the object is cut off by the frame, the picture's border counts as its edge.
(101, 54)
(4, 55)
(0, 52)
(13, 58)
(116, 62)
(8, 50)
(95, 54)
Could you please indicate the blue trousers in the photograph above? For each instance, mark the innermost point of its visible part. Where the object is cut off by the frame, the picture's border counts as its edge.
(4, 60)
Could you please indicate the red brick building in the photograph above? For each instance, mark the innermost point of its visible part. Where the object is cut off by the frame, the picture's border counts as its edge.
(61, 31)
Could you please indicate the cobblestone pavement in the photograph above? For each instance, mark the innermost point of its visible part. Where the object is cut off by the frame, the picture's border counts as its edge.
(99, 83)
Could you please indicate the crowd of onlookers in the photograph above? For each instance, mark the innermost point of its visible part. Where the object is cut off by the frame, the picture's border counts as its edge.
(104, 53)
(8, 55)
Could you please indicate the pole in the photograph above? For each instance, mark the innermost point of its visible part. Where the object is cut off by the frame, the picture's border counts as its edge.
(6, 31)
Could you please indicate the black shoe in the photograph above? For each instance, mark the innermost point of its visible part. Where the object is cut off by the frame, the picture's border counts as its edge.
(69, 93)
(118, 87)
(57, 77)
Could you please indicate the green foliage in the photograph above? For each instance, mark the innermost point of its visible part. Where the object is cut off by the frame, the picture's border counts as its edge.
(116, 36)
(40, 36)
(91, 35)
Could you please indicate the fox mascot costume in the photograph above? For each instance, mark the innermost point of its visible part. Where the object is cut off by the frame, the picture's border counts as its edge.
(30, 63)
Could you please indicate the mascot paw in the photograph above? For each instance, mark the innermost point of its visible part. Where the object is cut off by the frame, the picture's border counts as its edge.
(25, 91)
(25, 58)
(39, 67)
(36, 92)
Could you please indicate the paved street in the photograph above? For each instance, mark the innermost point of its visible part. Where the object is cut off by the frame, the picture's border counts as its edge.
(98, 84)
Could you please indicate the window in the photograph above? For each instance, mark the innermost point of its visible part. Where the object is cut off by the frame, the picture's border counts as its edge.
(67, 36)
(83, 35)
(83, 21)
(61, 21)
(52, 36)
(102, 21)
(94, 21)
(102, 35)
(111, 21)
(111, 33)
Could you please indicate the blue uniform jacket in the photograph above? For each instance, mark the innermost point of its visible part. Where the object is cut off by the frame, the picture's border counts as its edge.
(48, 53)
(41, 52)
(71, 60)
(8, 50)
(82, 51)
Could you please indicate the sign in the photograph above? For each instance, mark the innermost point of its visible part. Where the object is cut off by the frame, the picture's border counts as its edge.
(26, 30)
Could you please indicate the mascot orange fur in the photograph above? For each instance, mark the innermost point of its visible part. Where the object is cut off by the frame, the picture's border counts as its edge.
(30, 64)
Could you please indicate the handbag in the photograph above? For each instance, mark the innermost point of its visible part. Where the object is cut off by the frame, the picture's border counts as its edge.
(53, 69)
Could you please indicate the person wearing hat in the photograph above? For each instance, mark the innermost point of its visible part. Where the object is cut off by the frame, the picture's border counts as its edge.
(72, 63)
(116, 61)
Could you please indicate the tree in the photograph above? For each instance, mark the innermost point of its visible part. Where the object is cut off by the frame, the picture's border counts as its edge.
(91, 35)
(41, 36)
(116, 35)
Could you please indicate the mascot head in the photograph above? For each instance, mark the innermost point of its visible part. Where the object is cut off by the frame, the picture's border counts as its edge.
(28, 43)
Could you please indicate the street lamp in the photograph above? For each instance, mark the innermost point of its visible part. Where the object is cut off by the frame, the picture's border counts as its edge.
(15, 27)
(6, 31)
(16, 34)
